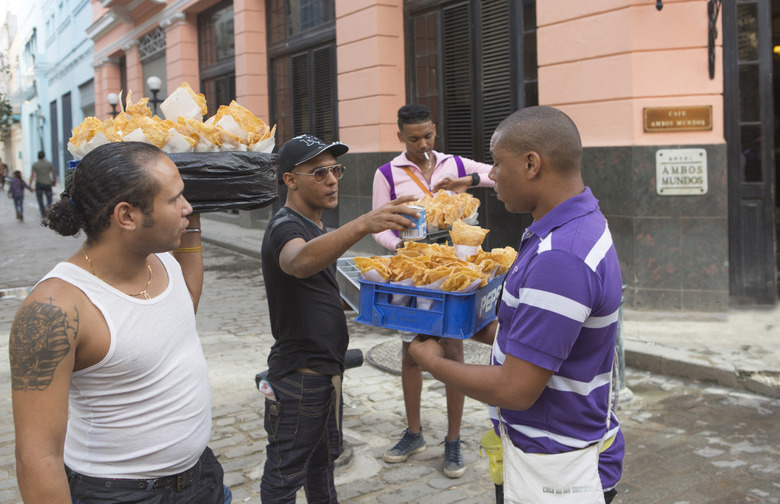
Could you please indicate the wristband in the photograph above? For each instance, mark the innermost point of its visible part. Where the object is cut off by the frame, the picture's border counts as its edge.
(182, 250)
(475, 179)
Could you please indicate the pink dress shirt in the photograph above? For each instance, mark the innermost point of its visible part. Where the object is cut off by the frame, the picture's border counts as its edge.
(444, 166)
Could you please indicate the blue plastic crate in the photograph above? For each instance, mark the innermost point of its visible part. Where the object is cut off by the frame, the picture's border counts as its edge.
(451, 314)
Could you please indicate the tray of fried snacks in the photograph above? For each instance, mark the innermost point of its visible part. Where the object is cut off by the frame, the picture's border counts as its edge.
(232, 128)
(444, 208)
(428, 289)
(226, 161)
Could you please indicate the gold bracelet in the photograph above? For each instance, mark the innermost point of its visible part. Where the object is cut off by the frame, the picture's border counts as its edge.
(189, 249)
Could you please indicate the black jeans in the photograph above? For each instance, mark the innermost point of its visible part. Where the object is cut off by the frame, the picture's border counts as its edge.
(304, 439)
(207, 489)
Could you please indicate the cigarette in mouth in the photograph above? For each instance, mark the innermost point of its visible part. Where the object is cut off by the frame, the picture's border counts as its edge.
(426, 156)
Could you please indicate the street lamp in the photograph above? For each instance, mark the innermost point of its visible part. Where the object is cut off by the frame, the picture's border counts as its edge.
(154, 84)
(113, 99)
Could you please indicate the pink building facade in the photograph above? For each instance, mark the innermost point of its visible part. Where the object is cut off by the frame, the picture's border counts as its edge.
(654, 91)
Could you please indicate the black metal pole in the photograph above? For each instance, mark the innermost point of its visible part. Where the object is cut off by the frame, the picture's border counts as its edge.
(154, 101)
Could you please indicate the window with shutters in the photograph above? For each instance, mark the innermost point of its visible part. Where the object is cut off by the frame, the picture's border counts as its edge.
(459, 99)
(472, 63)
(288, 18)
(426, 72)
(530, 75)
(123, 75)
(302, 49)
(216, 55)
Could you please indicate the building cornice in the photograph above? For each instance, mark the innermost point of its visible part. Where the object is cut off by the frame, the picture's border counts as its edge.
(172, 20)
(166, 18)
(102, 26)
(83, 52)
(105, 61)
(130, 45)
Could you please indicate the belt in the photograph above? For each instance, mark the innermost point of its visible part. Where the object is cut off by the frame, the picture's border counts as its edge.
(176, 482)
(306, 370)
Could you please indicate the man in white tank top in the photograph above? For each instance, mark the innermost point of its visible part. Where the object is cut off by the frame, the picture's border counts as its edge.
(110, 386)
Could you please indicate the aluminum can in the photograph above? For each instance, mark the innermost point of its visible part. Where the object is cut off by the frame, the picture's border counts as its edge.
(420, 229)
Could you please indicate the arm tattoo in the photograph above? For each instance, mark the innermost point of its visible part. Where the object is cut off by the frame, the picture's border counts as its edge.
(40, 339)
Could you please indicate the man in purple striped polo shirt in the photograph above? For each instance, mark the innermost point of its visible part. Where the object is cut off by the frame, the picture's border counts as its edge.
(550, 383)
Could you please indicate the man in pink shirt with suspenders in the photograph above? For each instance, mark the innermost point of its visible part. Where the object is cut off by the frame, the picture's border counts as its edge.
(421, 171)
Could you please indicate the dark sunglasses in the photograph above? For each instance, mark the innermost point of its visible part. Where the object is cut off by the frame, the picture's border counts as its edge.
(321, 174)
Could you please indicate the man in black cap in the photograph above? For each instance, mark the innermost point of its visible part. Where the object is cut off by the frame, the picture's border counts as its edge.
(306, 362)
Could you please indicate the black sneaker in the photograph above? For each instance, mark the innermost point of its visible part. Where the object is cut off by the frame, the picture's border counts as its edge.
(454, 467)
(407, 446)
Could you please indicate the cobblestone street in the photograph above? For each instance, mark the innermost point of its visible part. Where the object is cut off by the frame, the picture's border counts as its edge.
(687, 442)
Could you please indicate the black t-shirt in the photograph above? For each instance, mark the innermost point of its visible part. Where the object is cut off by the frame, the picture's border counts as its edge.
(307, 317)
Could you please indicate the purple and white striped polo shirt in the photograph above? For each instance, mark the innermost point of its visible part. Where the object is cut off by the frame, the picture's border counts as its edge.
(559, 310)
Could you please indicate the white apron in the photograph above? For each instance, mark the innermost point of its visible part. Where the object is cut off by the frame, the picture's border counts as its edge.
(560, 478)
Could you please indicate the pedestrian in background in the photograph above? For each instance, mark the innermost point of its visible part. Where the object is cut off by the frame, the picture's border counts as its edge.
(421, 171)
(45, 178)
(550, 383)
(3, 174)
(16, 188)
(306, 361)
(110, 386)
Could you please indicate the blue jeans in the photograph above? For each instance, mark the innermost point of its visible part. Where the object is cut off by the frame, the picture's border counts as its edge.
(42, 190)
(304, 439)
(19, 204)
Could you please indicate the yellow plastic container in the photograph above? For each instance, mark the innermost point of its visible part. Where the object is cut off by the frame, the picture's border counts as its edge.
(491, 443)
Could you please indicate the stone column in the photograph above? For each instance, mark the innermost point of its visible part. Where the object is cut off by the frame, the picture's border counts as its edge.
(135, 74)
(181, 50)
(107, 80)
(371, 72)
(251, 56)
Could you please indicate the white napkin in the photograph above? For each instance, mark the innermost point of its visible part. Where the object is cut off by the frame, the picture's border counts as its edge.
(181, 104)
(466, 251)
(401, 299)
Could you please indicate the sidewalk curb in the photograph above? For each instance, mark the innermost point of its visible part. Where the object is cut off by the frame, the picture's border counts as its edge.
(678, 362)
(232, 246)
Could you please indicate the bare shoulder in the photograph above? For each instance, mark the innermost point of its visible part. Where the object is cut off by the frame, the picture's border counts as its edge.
(44, 333)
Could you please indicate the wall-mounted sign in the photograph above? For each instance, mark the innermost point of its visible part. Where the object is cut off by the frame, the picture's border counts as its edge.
(681, 172)
(664, 119)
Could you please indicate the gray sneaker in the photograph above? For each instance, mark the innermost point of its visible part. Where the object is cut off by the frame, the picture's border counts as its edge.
(453, 459)
(407, 446)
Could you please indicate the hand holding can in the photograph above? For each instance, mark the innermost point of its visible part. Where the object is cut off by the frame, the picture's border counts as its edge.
(420, 229)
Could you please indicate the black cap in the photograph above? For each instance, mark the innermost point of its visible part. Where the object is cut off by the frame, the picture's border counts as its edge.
(302, 148)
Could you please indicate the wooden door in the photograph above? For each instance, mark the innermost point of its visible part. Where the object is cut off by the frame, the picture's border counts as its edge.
(749, 129)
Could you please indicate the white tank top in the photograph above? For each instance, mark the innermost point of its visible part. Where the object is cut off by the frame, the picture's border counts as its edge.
(144, 411)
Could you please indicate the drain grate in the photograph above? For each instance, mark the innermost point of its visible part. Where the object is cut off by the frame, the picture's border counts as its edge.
(387, 356)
